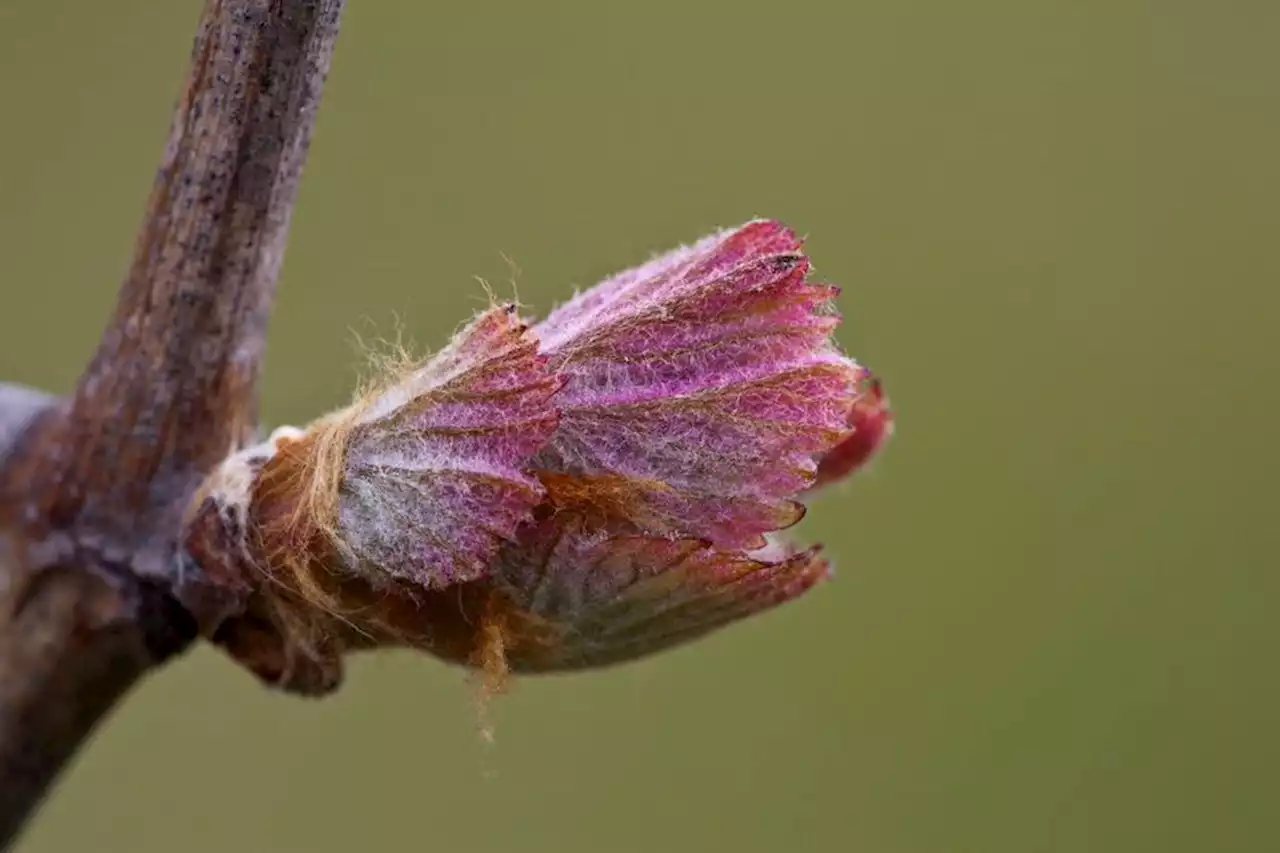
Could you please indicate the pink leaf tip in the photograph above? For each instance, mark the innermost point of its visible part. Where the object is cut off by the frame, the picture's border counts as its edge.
(701, 388)
(870, 423)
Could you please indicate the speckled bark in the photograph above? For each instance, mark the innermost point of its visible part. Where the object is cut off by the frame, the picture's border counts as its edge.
(92, 487)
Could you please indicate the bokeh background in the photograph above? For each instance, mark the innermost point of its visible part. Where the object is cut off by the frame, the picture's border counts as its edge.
(1053, 623)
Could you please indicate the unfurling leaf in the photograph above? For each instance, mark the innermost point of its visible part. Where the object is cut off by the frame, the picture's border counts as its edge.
(604, 485)
(434, 469)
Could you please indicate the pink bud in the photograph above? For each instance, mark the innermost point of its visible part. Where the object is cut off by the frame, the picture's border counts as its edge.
(603, 486)
(703, 397)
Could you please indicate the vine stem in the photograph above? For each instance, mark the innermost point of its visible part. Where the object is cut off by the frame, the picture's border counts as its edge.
(93, 487)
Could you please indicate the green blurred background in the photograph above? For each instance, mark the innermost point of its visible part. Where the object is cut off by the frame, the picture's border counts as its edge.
(1056, 223)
